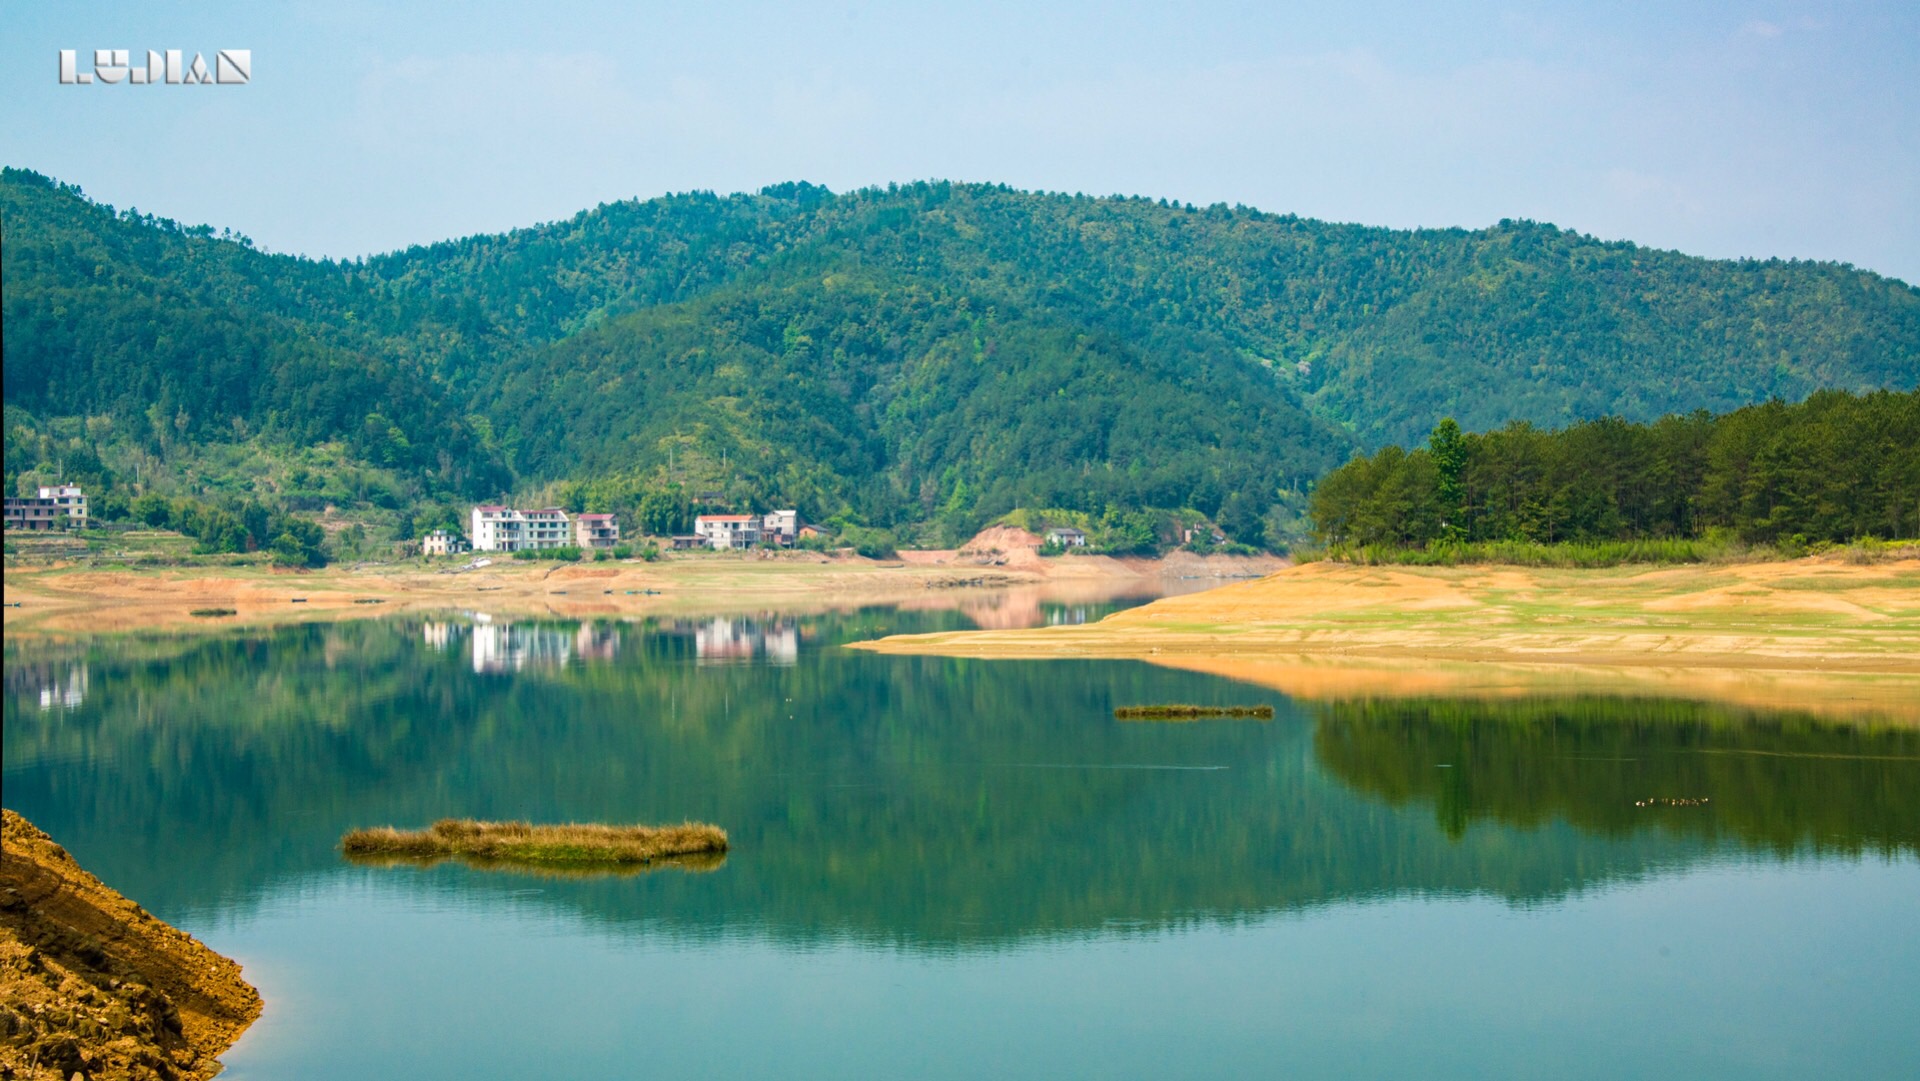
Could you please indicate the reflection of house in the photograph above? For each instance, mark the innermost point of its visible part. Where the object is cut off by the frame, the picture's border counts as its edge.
(728, 530)
(1066, 537)
(59, 684)
(443, 542)
(509, 647)
(438, 635)
(726, 641)
(596, 530)
(504, 529)
(596, 642)
(782, 527)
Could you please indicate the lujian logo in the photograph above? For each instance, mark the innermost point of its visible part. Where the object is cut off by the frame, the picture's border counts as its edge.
(230, 67)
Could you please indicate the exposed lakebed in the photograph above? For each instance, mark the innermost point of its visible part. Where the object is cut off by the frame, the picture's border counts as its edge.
(955, 867)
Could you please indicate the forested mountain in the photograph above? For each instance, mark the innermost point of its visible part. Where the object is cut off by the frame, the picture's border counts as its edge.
(917, 356)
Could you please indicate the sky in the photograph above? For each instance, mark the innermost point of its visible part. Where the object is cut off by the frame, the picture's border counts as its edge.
(1719, 129)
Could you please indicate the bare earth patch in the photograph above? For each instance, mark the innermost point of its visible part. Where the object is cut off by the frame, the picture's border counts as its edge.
(1811, 633)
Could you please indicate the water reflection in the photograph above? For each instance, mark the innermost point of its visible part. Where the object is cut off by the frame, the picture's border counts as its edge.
(58, 684)
(926, 802)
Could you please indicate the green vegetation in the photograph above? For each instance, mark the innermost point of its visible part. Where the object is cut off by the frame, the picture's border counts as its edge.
(911, 362)
(1833, 468)
(1189, 713)
(573, 844)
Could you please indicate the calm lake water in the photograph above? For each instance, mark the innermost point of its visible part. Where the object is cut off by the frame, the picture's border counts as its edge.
(962, 868)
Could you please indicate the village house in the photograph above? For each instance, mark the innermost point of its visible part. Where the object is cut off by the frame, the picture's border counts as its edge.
(596, 530)
(723, 531)
(782, 527)
(443, 542)
(497, 528)
(1066, 537)
(58, 506)
(69, 500)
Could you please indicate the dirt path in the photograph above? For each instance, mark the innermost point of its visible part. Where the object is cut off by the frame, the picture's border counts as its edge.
(1813, 633)
(92, 985)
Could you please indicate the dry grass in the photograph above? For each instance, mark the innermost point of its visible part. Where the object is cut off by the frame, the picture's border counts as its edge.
(577, 845)
(1189, 713)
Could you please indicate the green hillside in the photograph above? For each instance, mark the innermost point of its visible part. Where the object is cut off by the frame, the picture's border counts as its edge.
(919, 358)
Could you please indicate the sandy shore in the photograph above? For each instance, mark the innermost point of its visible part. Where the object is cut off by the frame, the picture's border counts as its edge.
(999, 587)
(1817, 634)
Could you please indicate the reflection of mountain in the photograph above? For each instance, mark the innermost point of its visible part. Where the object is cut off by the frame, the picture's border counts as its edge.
(1614, 767)
(910, 800)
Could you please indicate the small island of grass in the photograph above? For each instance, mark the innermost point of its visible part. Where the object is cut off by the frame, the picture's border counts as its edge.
(573, 845)
(1189, 713)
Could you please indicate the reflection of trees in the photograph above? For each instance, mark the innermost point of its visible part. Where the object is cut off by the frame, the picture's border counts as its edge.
(1779, 782)
(904, 799)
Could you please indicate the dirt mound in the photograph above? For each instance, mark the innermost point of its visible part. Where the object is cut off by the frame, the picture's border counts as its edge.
(92, 985)
(1000, 538)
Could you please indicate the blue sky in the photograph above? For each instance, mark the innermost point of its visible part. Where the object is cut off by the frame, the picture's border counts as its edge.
(1734, 129)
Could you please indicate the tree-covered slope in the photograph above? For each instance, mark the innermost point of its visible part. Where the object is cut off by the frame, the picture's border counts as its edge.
(918, 353)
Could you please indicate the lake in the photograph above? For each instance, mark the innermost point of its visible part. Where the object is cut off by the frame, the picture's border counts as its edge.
(963, 868)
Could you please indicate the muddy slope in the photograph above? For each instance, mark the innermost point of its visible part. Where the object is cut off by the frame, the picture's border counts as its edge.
(92, 985)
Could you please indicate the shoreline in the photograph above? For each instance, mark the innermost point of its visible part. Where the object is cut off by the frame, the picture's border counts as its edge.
(73, 600)
(1842, 639)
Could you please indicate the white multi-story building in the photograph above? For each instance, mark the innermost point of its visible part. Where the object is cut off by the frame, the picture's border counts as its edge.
(68, 499)
(728, 530)
(499, 528)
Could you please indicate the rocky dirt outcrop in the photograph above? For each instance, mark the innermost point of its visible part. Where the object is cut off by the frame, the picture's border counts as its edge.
(93, 986)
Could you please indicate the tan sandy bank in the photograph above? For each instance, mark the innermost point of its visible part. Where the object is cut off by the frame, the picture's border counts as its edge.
(91, 985)
(78, 600)
(1813, 633)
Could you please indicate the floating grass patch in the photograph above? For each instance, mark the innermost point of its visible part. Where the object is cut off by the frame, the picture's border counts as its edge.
(1190, 713)
(210, 612)
(574, 846)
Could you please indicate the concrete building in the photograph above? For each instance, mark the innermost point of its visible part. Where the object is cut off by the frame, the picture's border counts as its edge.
(67, 499)
(443, 542)
(1067, 537)
(31, 515)
(58, 506)
(723, 531)
(497, 528)
(596, 530)
(782, 527)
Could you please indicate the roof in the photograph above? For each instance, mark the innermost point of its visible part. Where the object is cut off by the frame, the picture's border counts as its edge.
(1065, 529)
(594, 517)
(726, 518)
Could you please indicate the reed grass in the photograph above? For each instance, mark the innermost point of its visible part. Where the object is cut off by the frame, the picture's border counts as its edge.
(1189, 713)
(576, 844)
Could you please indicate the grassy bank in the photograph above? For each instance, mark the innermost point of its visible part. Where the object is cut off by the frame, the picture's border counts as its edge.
(1598, 554)
(1818, 632)
(570, 845)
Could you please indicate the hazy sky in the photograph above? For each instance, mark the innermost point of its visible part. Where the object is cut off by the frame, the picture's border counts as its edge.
(1722, 129)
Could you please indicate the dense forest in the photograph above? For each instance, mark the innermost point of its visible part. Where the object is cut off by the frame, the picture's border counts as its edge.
(918, 359)
(1834, 467)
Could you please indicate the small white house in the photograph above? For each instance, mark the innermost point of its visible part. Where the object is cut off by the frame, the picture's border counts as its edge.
(69, 500)
(443, 542)
(1066, 537)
